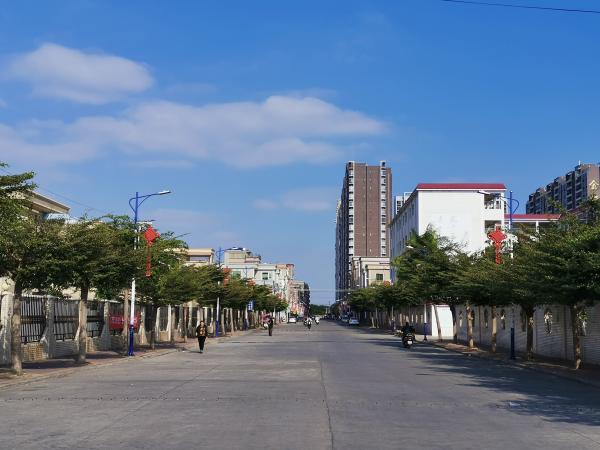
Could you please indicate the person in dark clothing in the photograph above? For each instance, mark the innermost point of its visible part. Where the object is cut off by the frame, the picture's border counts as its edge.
(201, 335)
(270, 324)
(407, 329)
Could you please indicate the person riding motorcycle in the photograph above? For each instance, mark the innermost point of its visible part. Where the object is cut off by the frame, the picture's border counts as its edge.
(309, 323)
(406, 329)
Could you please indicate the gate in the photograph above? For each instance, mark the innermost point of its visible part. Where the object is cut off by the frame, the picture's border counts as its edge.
(33, 318)
(115, 318)
(95, 318)
(66, 319)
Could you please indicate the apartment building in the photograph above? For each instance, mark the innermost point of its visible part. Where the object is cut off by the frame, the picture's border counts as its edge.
(242, 263)
(566, 192)
(198, 257)
(362, 218)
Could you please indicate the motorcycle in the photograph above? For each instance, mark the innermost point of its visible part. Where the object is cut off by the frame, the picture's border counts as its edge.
(408, 339)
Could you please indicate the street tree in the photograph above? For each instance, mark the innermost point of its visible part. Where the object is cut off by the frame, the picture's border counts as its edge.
(98, 255)
(562, 266)
(165, 256)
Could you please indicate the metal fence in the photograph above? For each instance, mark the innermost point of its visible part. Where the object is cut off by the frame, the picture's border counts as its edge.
(163, 318)
(116, 318)
(33, 318)
(95, 318)
(66, 319)
(148, 325)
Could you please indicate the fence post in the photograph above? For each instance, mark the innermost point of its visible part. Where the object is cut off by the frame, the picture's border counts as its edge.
(48, 339)
(5, 337)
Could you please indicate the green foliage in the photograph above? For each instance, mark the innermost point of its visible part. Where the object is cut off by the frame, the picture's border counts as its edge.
(99, 254)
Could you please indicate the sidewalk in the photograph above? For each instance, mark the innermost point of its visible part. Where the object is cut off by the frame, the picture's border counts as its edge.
(589, 375)
(52, 368)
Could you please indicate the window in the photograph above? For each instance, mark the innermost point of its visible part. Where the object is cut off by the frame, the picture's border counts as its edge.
(265, 275)
(460, 319)
(379, 277)
(350, 219)
(503, 319)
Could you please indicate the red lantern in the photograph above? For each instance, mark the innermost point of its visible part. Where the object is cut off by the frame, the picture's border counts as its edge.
(497, 237)
(150, 235)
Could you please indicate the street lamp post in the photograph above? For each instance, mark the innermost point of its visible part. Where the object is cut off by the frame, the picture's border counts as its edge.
(511, 212)
(134, 204)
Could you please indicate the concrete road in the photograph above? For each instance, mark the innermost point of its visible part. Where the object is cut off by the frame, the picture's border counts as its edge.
(332, 387)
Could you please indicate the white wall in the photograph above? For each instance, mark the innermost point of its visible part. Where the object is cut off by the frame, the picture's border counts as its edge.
(457, 215)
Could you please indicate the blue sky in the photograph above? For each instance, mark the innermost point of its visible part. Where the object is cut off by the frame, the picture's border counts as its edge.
(248, 111)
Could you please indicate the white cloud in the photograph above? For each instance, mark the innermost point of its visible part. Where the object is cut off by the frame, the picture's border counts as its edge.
(315, 199)
(279, 130)
(66, 73)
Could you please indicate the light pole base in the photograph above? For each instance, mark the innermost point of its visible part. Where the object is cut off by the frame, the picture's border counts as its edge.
(130, 351)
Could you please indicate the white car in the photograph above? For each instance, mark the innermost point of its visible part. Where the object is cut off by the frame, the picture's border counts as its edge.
(353, 321)
(292, 320)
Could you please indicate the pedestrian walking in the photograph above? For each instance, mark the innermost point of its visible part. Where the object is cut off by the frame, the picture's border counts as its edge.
(270, 324)
(201, 335)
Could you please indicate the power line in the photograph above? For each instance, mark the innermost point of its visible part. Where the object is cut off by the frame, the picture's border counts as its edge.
(88, 207)
(520, 6)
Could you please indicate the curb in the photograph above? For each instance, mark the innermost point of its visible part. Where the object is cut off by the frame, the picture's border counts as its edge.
(509, 363)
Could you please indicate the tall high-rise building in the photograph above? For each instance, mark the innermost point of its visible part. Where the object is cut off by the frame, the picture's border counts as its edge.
(364, 211)
(567, 192)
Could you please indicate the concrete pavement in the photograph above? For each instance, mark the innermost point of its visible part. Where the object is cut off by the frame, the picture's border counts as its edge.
(332, 387)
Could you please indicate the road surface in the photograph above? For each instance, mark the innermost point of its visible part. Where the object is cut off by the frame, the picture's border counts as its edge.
(333, 387)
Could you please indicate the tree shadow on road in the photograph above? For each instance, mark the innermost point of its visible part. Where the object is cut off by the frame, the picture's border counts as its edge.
(529, 392)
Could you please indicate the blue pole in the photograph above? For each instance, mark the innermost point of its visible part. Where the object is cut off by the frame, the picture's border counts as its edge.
(135, 221)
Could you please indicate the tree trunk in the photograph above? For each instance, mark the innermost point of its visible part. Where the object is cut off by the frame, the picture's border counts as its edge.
(437, 320)
(454, 325)
(470, 341)
(153, 313)
(186, 320)
(80, 357)
(575, 326)
(529, 313)
(494, 329)
(16, 350)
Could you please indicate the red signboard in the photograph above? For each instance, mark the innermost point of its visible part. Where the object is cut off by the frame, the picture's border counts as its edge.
(115, 322)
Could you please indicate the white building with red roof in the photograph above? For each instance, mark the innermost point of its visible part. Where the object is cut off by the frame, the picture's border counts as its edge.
(462, 212)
